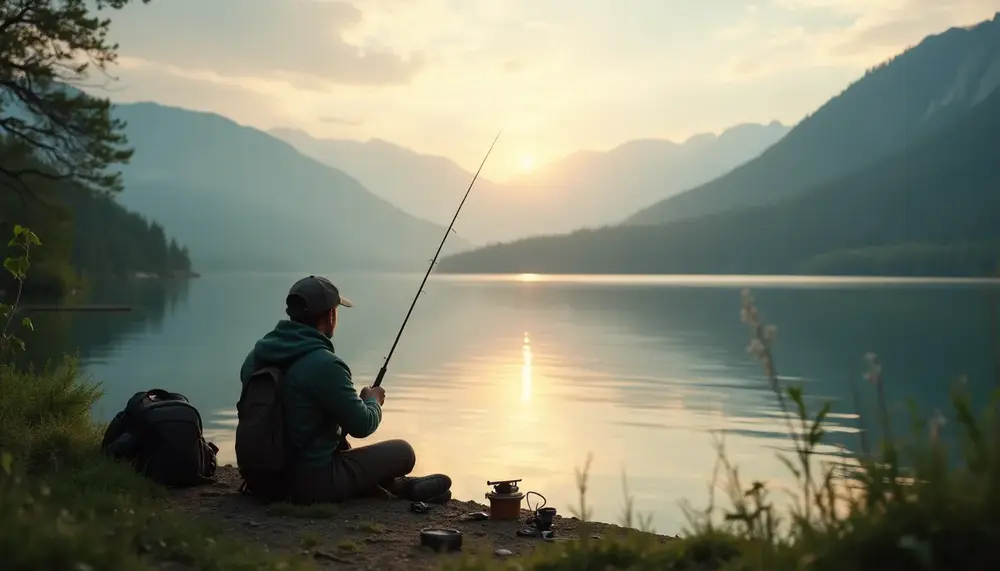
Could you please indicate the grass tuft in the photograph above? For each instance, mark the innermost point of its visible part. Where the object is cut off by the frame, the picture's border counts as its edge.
(372, 527)
(309, 540)
(349, 545)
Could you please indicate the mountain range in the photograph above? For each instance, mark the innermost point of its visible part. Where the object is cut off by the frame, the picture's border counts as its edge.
(242, 200)
(897, 174)
(584, 189)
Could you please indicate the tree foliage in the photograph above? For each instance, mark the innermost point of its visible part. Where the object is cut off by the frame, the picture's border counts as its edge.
(48, 48)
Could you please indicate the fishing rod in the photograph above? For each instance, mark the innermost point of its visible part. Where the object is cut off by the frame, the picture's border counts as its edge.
(420, 290)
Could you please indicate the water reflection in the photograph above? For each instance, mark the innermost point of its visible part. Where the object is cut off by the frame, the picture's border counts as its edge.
(926, 337)
(526, 369)
(522, 378)
(93, 336)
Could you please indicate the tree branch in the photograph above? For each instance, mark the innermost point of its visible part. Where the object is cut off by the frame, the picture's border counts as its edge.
(46, 48)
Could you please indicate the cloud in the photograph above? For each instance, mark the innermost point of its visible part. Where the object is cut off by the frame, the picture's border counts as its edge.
(437, 74)
(909, 22)
(301, 42)
(793, 35)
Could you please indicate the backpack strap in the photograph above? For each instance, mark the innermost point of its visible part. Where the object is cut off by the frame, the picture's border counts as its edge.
(282, 366)
(258, 365)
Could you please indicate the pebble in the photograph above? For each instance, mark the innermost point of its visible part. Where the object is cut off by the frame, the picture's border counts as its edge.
(504, 552)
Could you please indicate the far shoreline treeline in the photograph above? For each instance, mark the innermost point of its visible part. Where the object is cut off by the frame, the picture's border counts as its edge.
(89, 237)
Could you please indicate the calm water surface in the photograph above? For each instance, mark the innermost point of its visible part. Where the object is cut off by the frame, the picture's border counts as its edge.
(522, 377)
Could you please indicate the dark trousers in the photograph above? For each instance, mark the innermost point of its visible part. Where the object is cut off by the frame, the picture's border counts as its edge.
(355, 472)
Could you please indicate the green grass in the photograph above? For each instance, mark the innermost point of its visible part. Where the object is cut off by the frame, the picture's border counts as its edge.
(309, 540)
(349, 545)
(64, 506)
(900, 506)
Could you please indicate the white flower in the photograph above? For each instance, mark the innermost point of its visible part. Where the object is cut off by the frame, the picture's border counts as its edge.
(874, 372)
(770, 332)
(756, 348)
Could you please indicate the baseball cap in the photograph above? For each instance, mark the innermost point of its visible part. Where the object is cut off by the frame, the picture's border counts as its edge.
(315, 295)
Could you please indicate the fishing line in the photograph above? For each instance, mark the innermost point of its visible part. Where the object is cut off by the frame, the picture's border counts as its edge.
(420, 290)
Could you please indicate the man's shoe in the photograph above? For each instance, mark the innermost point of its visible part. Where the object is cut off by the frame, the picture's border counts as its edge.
(422, 488)
(440, 498)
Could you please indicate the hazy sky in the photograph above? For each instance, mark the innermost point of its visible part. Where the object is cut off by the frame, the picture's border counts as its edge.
(442, 76)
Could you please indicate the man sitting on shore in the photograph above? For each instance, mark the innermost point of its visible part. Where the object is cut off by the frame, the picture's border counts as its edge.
(321, 408)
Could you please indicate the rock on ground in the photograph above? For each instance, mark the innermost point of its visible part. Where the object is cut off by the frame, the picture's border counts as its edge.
(377, 533)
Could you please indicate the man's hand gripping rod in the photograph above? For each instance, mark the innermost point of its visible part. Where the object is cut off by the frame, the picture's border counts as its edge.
(420, 290)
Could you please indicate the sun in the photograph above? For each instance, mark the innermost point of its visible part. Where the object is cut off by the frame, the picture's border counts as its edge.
(527, 163)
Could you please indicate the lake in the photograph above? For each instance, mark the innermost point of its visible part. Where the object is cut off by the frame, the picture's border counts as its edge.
(502, 377)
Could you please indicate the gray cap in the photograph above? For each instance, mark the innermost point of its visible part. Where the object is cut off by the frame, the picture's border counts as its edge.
(316, 295)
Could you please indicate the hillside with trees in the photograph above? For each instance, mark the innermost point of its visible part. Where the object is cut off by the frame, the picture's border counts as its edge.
(86, 234)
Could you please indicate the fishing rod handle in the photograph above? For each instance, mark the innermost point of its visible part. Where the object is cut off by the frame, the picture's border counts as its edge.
(378, 379)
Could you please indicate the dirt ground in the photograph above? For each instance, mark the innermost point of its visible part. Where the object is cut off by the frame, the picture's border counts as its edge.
(378, 533)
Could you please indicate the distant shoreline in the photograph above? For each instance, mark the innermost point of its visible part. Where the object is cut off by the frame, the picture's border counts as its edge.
(713, 279)
(720, 280)
(173, 275)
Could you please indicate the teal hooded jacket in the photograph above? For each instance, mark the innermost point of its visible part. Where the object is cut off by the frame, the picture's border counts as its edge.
(317, 392)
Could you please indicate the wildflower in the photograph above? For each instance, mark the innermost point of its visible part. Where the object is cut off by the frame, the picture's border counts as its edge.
(874, 373)
(770, 332)
(756, 349)
(748, 309)
(936, 424)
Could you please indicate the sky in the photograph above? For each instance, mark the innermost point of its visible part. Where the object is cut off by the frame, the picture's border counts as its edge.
(443, 76)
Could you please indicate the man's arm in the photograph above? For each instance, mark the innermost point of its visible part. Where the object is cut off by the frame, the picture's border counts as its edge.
(336, 394)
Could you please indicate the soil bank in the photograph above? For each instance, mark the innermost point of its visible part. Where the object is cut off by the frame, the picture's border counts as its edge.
(376, 533)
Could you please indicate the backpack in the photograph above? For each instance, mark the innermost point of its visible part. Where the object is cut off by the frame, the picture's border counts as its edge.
(160, 434)
(260, 434)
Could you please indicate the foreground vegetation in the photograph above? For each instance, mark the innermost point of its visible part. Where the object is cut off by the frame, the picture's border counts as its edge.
(62, 506)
